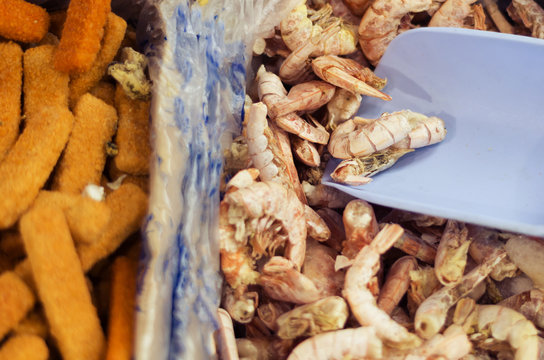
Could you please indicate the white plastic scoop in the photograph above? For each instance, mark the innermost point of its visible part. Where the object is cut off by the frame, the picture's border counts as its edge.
(489, 89)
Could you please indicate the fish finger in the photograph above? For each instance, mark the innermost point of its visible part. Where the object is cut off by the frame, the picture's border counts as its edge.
(81, 35)
(114, 32)
(128, 205)
(22, 21)
(16, 299)
(28, 165)
(105, 91)
(84, 158)
(11, 79)
(43, 86)
(61, 284)
(24, 347)
(132, 135)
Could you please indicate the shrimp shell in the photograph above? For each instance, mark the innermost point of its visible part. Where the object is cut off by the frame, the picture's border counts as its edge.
(224, 337)
(452, 13)
(306, 152)
(360, 225)
(451, 255)
(397, 283)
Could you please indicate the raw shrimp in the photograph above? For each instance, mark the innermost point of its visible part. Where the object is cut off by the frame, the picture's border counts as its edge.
(327, 314)
(335, 225)
(360, 225)
(317, 228)
(343, 105)
(308, 96)
(431, 314)
(381, 22)
(319, 267)
(359, 138)
(358, 343)
(452, 13)
(264, 215)
(528, 255)
(530, 304)
(306, 152)
(503, 324)
(415, 246)
(350, 75)
(362, 302)
(425, 130)
(396, 283)
(357, 171)
(281, 281)
(239, 303)
(224, 337)
(451, 255)
(484, 243)
(325, 196)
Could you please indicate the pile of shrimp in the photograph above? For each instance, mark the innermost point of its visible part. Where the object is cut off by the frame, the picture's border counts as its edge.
(312, 273)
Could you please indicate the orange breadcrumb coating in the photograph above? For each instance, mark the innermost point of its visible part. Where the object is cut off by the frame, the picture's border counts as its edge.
(24, 347)
(16, 299)
(11, 80)
(114, 33)
(22, 21)
(121, 319)
(61, 284)
(43, 86)
(132, 137)
(84, 158)
(28, 165)
(128, 206)
(105, 91)
(81, 35)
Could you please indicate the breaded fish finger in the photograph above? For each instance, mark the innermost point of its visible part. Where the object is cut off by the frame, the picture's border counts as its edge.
(114, 32)
(11, 244)
(105, 91)
(121, 319)
(33, 324)
(87, 218)
(128, 205)
(24, 347)
(132, 137)
(84, 158)
(11, 82)
(22, 21)
(16, 299)
(61, 285)
(81, 35)
(27, 166)
(43, 86)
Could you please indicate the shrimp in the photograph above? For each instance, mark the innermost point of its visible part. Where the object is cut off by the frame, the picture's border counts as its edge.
(306, 152)
(415, 246)
(453, 13)
(359, 138)
(357, 171)
(296, 28)
(350, 75)
(503, 324)
(356, 343)
(239, 303)
(308, 96)
(343, 105)
(381, 22)
(530, 14)
(485, 243)
(252, 349)
(422, 220)
(317, 228)
(431, 314)
(341, 10)
(335, 225)
(451, 255)
(425, 130)
(396, 284)
(327, 314)
(528, 255)
(530, 304)
(358, 7)
(324, 196)
(319, 267)
(224, 337)
(264, 215)
(423, 283)
(294, 124)
(281, 281)
(269, 313)
(362, 302)
(360, 225)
